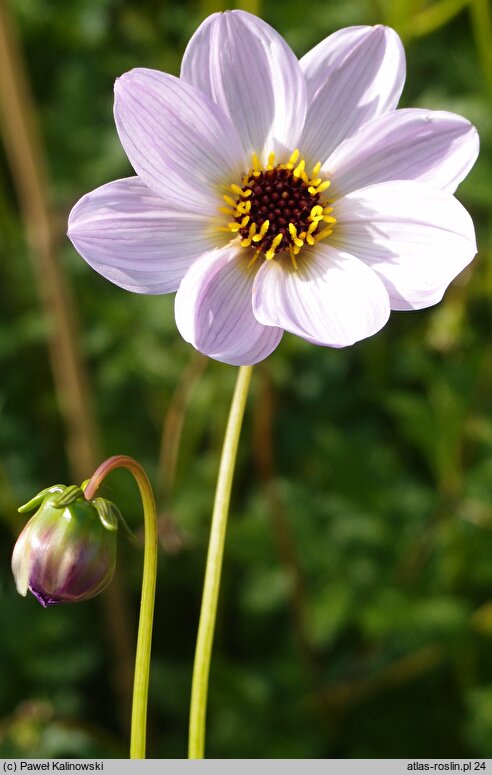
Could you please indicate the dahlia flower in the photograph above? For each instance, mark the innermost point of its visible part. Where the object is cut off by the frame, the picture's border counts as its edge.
(281, 195)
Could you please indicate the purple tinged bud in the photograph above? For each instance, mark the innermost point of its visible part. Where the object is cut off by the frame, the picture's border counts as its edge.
(67, 551)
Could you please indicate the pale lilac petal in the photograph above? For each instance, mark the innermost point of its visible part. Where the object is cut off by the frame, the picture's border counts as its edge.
(248, 69)
(431, 146)
(214, 309)
(179, 142)
(318, 64)
(21, 560)
(366, 83)
(332, 299)
(127, 234)
(416, 238)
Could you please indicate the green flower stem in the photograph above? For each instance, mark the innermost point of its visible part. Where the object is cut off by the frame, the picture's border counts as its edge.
(211, 586)
(144, 640)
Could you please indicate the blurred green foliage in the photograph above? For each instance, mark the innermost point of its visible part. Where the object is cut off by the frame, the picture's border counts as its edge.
(356, 610)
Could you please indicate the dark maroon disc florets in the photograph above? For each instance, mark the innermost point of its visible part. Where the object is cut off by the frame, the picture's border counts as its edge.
(278, 196)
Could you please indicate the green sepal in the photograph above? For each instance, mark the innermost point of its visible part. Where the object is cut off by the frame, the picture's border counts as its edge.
(39, 498)
(111, 517)
(69, 495)
(108, 513)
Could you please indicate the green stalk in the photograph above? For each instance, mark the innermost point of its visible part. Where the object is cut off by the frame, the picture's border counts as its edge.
(211, 586)
(144, 639)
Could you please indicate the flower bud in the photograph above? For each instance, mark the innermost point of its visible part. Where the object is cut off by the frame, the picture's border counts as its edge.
(67, 550)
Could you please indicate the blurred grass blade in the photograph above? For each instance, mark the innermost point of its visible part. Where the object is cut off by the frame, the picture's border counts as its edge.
(481, 14)
(432, 18)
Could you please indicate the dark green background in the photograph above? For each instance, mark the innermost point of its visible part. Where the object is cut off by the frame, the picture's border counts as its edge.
(356, 609)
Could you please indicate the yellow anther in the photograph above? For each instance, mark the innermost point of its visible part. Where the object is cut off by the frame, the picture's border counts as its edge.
(316, 212)
(252, 231)
(242, 208)
(315, 181)
(309, 238)
(312, 228)
(292, 159)
(246, 192)
(329, 219)
(226, 210)
(295, 239)
(271, 160)
(236, 189)
(271, 250)
(319, 189)
(322, 234)
(299, 169)
(263, 230)
(316, 169)
(256, 163)
(230, 201)
(245, 221)
(327, 210)
(234, 226)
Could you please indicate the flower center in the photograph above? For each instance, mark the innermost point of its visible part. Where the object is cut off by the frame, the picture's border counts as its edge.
(279, 208)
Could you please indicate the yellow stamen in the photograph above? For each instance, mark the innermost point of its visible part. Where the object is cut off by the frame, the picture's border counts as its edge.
(322, 234)
(263, 230)
(226, 210)
(316, 212)
(312, 228)
(255, 256)
(294, 156)
(299, 169)
(229, 200)
(316, 169)
(293, 257)
(271, 250)
(271, 161)
(236, 189)
(309, 235)
(243, 208)
(319, 189)
(246, 242)
(256, 163)
(293, 233)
